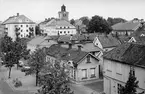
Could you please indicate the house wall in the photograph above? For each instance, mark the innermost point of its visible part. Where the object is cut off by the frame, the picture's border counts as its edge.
(97, 43)
(84, 65)
(117, 73)
(61, 30)
(24, 30)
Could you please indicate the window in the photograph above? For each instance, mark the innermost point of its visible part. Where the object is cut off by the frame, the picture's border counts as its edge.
(60, 27)
(26, 30)
(93, 53)
(68, 31)
(21, 30)
(60, 32)
(88, 59)
(21, 35)
(68, 26)
(92, 70)
(64, 31)
(118, 88)
(26, 25)
(64, 27)
(84, 72)
(21, 25)
(119, 68)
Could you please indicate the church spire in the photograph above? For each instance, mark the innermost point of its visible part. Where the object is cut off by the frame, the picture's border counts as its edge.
(63, 8)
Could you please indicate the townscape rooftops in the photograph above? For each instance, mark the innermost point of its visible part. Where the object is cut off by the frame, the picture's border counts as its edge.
(128, 53)
(87, 47)
(126, 26)
(66, 54)
(108, 41)
(20, 19)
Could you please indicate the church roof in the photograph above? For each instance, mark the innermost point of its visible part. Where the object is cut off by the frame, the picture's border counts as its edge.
(58, 22)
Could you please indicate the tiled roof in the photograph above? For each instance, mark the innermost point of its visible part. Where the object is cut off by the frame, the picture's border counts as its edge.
(58, 22)
(87, 47)
(132, 54)
(126, 26)
(21, 19)
(41, 41)
(108, 41)
(65, 53)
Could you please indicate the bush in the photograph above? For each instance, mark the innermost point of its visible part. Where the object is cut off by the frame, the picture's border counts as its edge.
(17, 83)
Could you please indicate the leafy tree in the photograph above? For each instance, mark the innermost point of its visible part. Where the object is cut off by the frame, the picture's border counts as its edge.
(36, 62)
(131, 85)
(7, 47)
(72, 21)
(38, 31)
(98, 24)
(113, 21)
(85, 20)
(55, 79)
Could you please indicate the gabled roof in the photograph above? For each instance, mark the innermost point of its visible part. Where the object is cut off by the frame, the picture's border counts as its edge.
(21, 19)
(128, 53)
(126, 26)
(66, 54)
(108, 41)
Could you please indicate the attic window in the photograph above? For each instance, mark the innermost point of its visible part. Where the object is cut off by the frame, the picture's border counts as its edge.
(88, 59)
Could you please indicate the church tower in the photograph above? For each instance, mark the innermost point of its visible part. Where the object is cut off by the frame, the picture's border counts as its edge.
(63, 14)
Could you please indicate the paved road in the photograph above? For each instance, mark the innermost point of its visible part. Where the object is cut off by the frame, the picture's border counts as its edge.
(80, 89)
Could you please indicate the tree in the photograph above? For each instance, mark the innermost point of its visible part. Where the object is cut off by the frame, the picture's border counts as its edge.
(54, 79)
(85, 20)
(131, 85)
(72, 21)
(98, 24)
(38, 31)
(7, 47)
(113, 21)
(36, 62)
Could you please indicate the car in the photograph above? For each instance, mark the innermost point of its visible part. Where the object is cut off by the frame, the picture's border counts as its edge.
(21, 64)
(25, 68)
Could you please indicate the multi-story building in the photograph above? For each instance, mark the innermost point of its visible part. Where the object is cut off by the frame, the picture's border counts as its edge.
(60, 26)
(20, 25)
(119, 62)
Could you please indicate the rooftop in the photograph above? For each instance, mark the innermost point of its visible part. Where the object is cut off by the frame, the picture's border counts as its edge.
(128, 53)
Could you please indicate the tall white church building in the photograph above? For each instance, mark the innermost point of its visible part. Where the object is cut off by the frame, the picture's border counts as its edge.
(60, 26)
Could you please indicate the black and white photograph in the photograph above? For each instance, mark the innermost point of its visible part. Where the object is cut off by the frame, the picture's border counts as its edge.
(72, 47)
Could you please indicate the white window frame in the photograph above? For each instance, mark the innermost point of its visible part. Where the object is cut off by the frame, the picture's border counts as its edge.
(84, 73)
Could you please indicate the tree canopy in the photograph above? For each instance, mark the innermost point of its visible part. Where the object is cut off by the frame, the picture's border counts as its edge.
(113, 21)
(98, 25)
(55, 79)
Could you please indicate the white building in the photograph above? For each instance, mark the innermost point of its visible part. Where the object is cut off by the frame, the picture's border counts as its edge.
(118, 63)
(21, 24)
(60, 26)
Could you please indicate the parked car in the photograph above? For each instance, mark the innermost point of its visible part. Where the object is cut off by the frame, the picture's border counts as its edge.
(25, 68)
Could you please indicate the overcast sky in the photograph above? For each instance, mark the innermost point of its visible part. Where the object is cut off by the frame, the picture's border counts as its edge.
(38, 10)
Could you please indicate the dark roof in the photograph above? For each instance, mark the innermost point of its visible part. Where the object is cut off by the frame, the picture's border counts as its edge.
(128, 53)
(108, 41)
(66, 54)
(126, 26)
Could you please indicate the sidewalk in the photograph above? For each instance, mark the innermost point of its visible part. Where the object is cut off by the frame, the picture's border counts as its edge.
(28, 82)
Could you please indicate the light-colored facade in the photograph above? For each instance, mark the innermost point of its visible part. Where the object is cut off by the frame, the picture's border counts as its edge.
(60, 26)
(19, 24)
(116, 74)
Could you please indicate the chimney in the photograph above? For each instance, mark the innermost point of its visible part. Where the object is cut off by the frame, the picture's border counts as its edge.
(69, 46)
(17, 14)
(79, 47)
